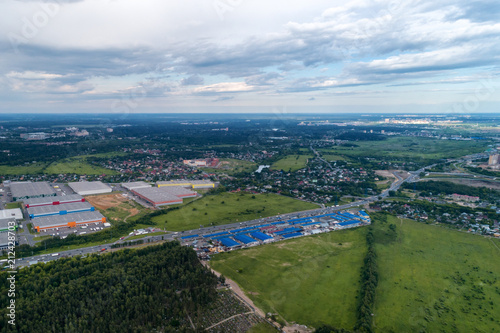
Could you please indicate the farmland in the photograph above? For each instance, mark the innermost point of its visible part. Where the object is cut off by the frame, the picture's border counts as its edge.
(291, 163)
(228, 208)
(76, 165)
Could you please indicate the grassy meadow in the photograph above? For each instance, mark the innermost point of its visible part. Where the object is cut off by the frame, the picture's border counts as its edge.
(291, 163)
(228, 208)
(311, 280)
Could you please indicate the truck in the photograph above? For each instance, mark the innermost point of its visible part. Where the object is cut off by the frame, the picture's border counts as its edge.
(54, 254)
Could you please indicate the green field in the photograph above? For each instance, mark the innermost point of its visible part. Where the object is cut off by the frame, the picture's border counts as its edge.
(232, 166)
(228, 208)
(33, 168)
(291, 163)
(432, 279)
(310, 280)
(409, 148)
(76, 165)
(333, 158)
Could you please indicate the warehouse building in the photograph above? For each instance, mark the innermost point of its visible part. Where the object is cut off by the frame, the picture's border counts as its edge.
(4, 241)
(89, 188)
(62, 209)
(48, 201)
(11, 214)
(194, 184)
(133, 185)
(27, 190)
(67, 221)
(164, 196)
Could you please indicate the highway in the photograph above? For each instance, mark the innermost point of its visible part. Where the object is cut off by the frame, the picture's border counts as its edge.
(227, 227)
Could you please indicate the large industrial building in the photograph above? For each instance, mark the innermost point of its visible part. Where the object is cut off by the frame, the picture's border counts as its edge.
(89, 188)
(48, 201)
(194, 184)
(4, 240)
(67, 221)
(62, 209)
(163, 196)
(6, 225)
(27, 190)
(133, 185)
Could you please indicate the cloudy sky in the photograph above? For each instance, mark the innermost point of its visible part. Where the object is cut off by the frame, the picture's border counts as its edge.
(249, 56)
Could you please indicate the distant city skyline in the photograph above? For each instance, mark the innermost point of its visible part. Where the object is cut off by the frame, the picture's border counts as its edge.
(239, 56)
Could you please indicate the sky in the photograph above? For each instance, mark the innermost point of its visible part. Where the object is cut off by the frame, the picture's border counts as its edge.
(132, 56)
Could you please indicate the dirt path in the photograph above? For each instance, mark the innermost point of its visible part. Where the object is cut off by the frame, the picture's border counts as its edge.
(237, 290)
(222, 321)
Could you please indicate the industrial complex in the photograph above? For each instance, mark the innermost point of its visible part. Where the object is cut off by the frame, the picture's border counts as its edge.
(134, 185)
(62, 209)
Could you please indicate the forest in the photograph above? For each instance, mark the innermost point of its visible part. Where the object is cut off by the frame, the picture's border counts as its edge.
(443, 187)
(151, 289)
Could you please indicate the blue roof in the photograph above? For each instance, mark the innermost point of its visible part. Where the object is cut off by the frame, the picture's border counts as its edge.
(279, 222)
(348, 222)
(216, 234)
(242, 229)
(287, 231)
(190, 236)
(295, 234)
(228, 242)
(260, 235)
(363, 213)
(244, 239)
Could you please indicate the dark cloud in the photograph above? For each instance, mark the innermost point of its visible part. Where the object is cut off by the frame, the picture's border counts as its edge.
(193, 80)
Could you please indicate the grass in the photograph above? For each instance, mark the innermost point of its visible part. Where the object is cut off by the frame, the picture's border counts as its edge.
(22, 169)
(228, 208)
(13, 205)
(333, 158)
(291, 163)
(77, 165)
(434, 279)
(310, 280)
(232, 166)
(397, 148)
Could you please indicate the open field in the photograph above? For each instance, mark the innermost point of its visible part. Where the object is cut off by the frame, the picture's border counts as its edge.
(77, 165)
(434, 279)
(291, 163)
(311, 280)
(33, 168)
(409, 148)
(333, 158)
(232, 166)
(115, 206)
(228, 208)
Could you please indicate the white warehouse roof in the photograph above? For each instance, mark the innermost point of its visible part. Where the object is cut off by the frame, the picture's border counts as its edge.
(88, 188)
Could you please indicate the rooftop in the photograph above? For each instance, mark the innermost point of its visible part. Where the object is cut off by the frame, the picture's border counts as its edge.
(29, 189)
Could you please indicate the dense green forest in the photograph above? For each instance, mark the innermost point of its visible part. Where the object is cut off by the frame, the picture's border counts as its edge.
(146, 290)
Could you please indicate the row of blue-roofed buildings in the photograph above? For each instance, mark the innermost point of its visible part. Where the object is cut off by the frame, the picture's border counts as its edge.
(279, 230)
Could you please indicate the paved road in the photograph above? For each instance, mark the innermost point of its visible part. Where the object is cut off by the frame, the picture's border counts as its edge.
(227, 227)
